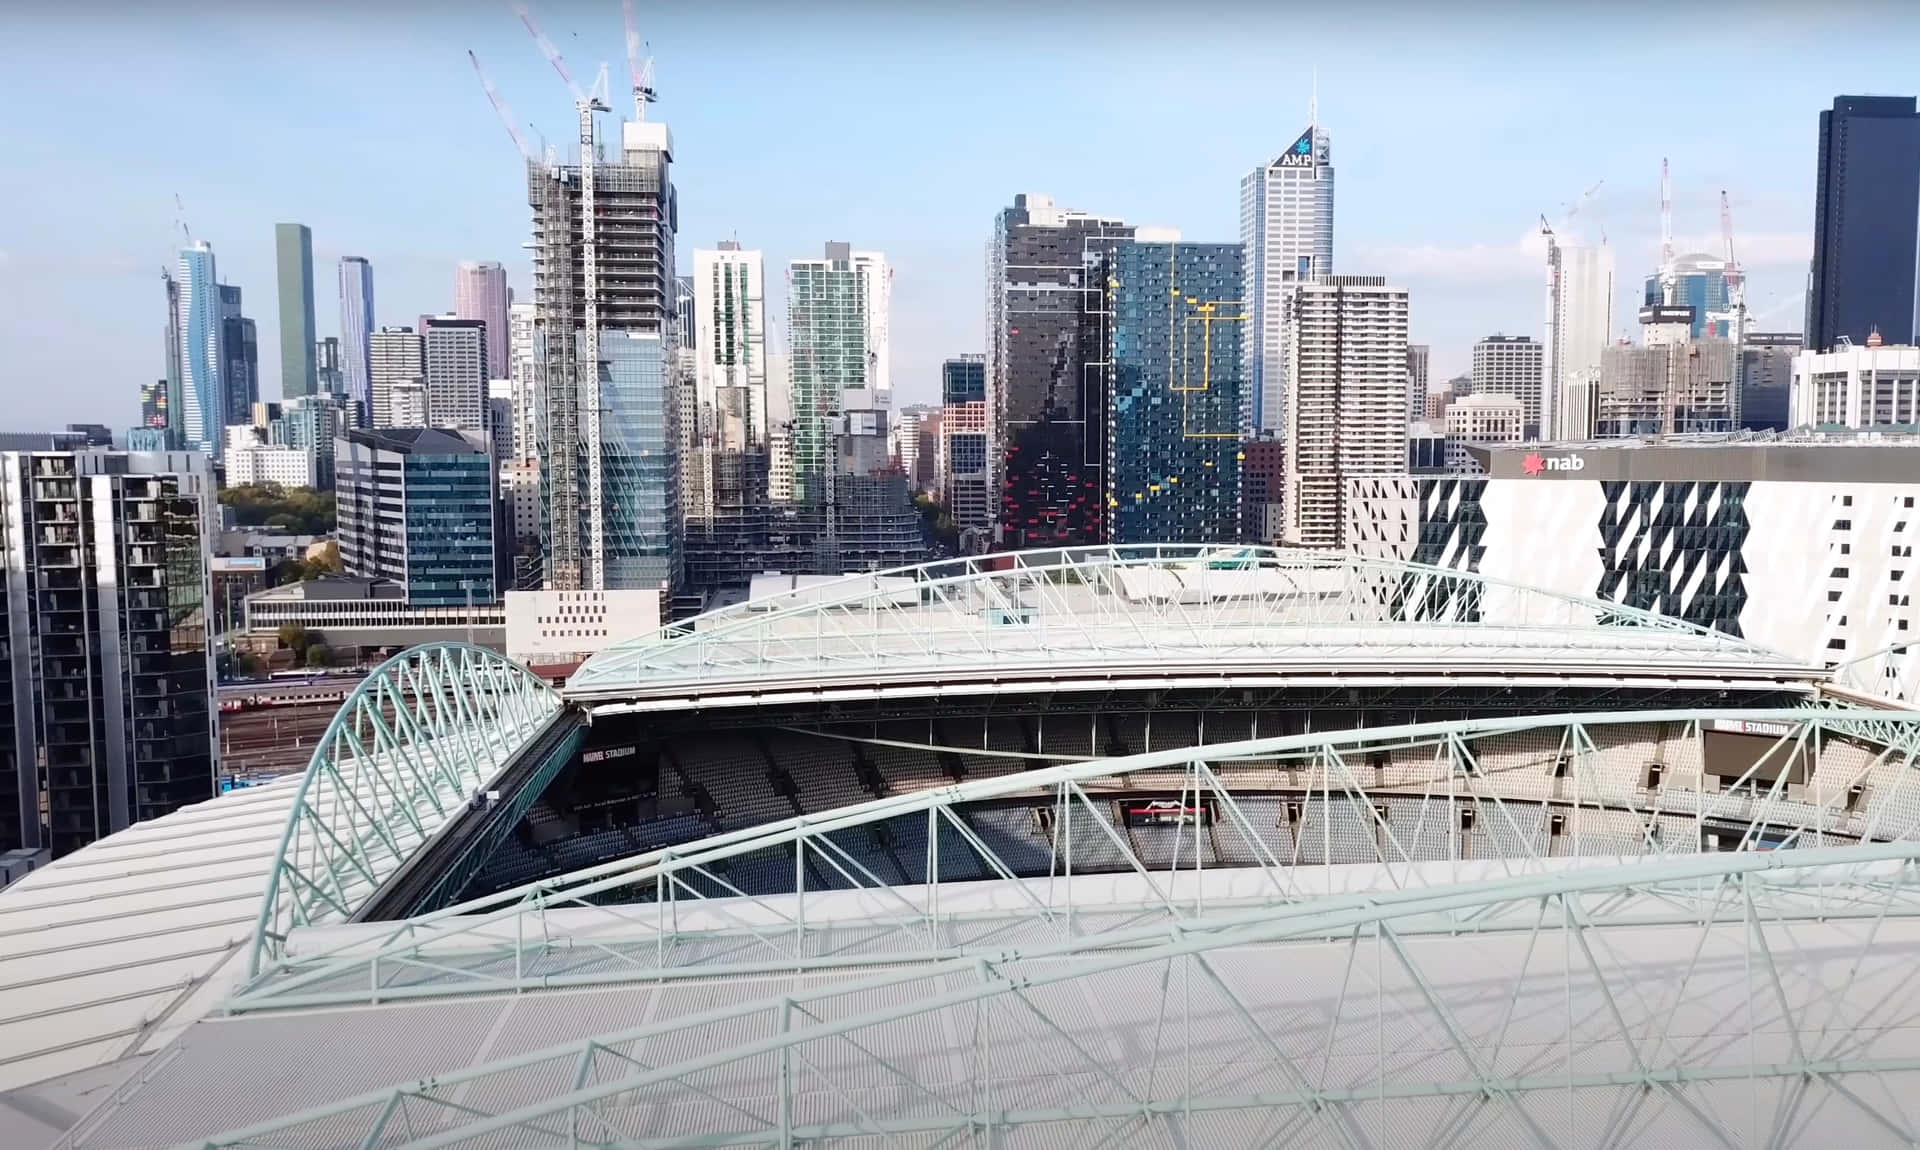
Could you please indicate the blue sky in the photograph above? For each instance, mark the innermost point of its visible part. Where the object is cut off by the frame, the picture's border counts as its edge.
(902, 127)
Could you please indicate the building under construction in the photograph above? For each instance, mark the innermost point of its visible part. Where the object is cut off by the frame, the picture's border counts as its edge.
(610, 485)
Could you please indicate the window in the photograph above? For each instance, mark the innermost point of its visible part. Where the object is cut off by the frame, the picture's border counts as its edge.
(1833, 596)
(1836, 644)
(1846, 501)
(1838, 573)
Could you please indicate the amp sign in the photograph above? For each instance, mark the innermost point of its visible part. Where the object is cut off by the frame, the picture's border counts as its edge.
(1536, 463)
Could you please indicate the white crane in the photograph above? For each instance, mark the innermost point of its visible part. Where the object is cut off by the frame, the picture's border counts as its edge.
(1666, 235)
(640, 70)
(500, 108)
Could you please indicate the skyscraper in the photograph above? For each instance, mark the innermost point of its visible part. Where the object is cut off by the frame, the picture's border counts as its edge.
(1046, 343)
(589, 477)
(524, 373)
(329, 377)
(398, 361)
(729, 339)
(1175, 413)
(1579, 325)
(1511, 365)
(480, 293)
(964, 380)
(293, 262)
(1864, 226)
(1417, 384)
(356, 334)
(240, 368)
(106, 662)
(176, 404)
(1286, 225)
(1347, 409)
(202, 352)
(456, 372)
(1700, 282)
(833, 368)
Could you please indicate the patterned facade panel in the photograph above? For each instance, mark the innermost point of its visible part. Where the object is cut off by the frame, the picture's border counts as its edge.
(1675, 548)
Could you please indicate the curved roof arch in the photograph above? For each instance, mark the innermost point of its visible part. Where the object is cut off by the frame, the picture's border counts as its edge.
(1155, 613)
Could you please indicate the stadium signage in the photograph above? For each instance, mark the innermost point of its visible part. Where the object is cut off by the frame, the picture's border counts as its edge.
(1753, 727)
(606, 753)
(1536, 463)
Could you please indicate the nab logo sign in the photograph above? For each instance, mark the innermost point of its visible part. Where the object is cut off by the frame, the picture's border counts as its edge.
(1535, 463)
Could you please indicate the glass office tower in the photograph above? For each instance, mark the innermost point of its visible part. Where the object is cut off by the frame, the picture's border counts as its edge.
(416, 506)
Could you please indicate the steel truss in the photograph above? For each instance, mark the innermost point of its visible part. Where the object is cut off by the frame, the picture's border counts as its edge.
(1733, 999)
(1422, 804)
(1165, 607)
(406, 752)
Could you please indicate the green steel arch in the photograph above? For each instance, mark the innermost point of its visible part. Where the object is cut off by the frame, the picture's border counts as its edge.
(406, 752)
(1099, 611)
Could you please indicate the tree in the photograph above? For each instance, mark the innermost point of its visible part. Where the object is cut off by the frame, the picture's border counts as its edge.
(294, 638)
(319, 655)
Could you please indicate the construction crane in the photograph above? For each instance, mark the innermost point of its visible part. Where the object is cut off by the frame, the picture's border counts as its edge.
(500, 108)
(1666, 235)
(640, 70)
(586, 389)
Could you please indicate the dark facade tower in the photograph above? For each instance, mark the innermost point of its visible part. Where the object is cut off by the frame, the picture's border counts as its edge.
(1866, 212)
(1046, 340)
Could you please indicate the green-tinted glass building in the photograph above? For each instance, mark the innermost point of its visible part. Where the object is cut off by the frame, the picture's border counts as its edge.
(1175, 419)
(416, 506)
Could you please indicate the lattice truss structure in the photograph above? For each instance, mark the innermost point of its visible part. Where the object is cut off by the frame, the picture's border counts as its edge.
(1105, 610)
(1743, 978)
(407, 751)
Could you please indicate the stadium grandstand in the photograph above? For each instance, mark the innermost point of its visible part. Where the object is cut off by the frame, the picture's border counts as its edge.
(1100, 847)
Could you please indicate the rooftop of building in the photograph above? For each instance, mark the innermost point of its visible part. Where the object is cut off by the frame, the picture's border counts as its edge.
(334, 588)
(420, 440)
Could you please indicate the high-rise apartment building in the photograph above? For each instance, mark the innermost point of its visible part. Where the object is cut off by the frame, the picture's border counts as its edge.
(1864, 222)
(524, 368)
(203, 359)
(1263, 486)
(1418, 355)
(1872, 387)
(1489, 417)
(965, 467)
(832, 368)
(106, 663)
(730, 348)
(1046, 348)
(416, 506)
(293, 265)
(455, 371)
(1579, 327)
(1347, 404)
(399, 360)
(480, 293)
(1175, 410)
(1286, 226)
(329, 378)
(356, 334)
(1667, 387)
(606, 307)
(1512, 365)
(240, 347)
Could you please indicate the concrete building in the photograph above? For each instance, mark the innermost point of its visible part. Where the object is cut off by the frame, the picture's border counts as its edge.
(311, 423)
(1046, 334)
(1671, 385)
(730, 348)
(1263, 488)
(1417, 358)
(623, 326)
(203, 357)
(355, 613)
(524, 370)
(174, 346)
(499, 420)
(455, 370)
(399, 360)
(416, 505)
(1347, 407)
(1286, 226)
(245, 464)
(327, 368)
(480, 293)
(1804, 547)
(780, 476)
(1579, 328)
(520, 491)
(1175, 401)
(106, 664)
(546, 627)
(966, 466)
(1866, 388)
(293, 265)
(1864, 225)
(834, 369)
(1512, 365)
(1483, 417)
(356, 335)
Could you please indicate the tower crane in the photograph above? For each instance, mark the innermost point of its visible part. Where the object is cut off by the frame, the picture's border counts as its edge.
(1666, 235)
(640, 70)
(500, 108)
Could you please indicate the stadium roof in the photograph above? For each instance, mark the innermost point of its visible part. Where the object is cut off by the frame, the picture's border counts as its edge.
(1162, 615)
(111, 950)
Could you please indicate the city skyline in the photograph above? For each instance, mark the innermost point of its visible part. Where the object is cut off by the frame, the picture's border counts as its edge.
(1468, 255)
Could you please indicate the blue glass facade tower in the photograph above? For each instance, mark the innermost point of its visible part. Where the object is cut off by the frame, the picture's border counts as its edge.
(203, 363)
(639, 452)
(1700, 282)
(416, 506)
(356, 335)
(963, 380)
(1864, 222)
(1175, 386)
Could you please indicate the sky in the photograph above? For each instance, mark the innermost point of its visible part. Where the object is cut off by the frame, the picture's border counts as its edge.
(903, 127)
